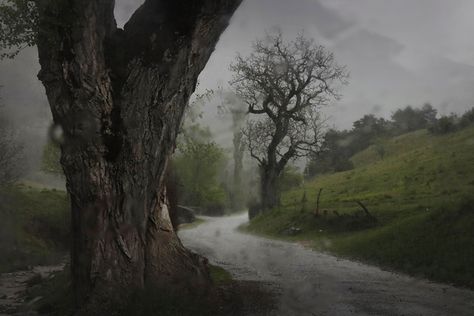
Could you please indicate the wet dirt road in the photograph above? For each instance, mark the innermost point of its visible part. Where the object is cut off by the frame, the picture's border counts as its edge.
(312, 283)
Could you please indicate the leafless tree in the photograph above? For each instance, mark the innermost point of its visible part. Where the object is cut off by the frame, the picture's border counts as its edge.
(284, 85)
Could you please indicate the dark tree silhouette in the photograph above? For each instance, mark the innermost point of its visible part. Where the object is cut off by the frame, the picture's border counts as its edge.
(119, 96)
(284, 85)
(410, 119)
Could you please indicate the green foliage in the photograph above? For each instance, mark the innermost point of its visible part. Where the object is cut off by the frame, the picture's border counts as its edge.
(380, 149)
(467, 119)
(191, 225)
(289, 179)
(197, 165)
(452, 123)
(18, 26)
(417, 193)
(410, 119)
(446, 124)
(336, 151)
(50, 160)
(436, 244)
(368, 128)
(219, 275)
(340, 146)
(34, 227)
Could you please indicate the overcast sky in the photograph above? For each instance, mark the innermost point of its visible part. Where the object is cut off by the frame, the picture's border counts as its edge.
(398, 53)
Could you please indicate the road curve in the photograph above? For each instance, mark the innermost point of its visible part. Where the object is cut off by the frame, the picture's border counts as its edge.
(313, 283)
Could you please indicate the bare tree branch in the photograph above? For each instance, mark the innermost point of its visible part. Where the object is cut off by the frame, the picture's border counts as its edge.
(288, 82)
(285, 84)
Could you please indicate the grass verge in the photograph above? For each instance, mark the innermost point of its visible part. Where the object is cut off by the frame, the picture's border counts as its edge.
(194, 224)
(34, 227)
(420, 193)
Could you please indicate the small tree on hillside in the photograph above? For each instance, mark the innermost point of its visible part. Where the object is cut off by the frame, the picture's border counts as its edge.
(197, 164)
(284, 85)
(410, 119)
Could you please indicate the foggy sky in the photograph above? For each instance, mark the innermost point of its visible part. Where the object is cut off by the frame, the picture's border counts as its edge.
(398, 53)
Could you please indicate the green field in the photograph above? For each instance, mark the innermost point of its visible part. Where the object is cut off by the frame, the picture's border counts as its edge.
(421, 193)
(34, 227)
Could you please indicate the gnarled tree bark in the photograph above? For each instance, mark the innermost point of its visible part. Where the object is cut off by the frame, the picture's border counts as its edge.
(119, 97)
(269, 177)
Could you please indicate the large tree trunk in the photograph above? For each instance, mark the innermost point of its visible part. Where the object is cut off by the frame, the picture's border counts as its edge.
(269, 188)
(119, 97)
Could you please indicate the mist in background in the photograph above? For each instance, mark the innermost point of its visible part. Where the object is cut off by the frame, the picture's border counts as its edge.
(398, 53)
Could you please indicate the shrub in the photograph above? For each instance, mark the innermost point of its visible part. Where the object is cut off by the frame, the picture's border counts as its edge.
(214, 201)
(445, 125)
(467, 118)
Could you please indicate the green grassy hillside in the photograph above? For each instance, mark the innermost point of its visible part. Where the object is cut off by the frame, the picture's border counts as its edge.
(422, 194)
(34, 227)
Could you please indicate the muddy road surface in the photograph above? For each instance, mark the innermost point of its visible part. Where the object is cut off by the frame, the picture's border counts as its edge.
(307, 282)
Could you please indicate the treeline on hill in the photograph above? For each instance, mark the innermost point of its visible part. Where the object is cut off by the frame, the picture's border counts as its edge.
(340, 146)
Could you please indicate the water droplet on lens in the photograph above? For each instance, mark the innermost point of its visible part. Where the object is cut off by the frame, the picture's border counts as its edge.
(56, 134)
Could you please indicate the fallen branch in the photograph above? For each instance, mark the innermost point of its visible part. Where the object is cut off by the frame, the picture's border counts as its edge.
(366, 211)
(316, 213)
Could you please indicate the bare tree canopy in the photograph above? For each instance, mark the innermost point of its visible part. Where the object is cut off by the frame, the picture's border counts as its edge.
(285, 84)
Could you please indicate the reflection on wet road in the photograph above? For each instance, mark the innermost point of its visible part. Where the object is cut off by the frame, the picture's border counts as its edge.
(313, 283)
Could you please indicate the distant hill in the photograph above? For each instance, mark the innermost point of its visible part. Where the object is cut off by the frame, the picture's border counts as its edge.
(419, 187)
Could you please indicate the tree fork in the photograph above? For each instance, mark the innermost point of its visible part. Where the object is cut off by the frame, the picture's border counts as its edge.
(119, 97)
